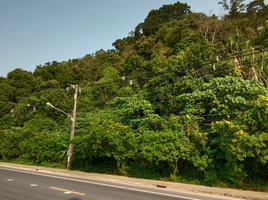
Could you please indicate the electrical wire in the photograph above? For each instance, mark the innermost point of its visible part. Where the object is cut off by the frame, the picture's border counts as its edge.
(142, 117)
(21, 104)
(213, 61)
(139, 77)
(131, 78)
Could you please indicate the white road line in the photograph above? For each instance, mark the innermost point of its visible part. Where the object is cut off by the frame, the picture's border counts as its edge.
(9, 179)
(33, 185)
(101, 184)
(67, 193)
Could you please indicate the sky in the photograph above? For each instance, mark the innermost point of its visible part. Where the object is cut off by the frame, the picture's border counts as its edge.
(33, 32)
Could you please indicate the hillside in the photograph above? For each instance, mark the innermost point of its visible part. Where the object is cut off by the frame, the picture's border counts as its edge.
(183, 97)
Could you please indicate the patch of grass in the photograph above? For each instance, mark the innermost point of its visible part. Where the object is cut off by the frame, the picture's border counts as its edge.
(43, 164)
(53, 165)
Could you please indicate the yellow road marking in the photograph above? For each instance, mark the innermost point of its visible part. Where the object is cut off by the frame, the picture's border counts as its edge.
(66, 190)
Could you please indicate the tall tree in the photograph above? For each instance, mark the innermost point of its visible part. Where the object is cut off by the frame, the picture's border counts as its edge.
(233, 6)
(255, 6)
(164, 14)
(23, 81)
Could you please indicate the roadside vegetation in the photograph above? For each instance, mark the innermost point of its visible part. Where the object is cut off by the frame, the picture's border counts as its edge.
(182, 98)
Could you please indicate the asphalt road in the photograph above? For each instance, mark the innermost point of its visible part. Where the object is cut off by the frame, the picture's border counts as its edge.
(17, 184)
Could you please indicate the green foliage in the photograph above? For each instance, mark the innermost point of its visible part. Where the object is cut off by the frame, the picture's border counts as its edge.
(23, 81)
(173, 147)
(166, 13)
(38, 125)
(57, 72)
(45, 148)
(182, 98)
(106, 139)
(135, 112)
(9, 146)
(234, 7)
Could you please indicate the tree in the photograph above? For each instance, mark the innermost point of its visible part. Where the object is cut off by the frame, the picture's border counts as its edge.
(55, 71)
(135, 112)
(173, 147)
(255, 6)
(106, 139)
(146, 46)
(164, 14)
(23, 81)
(234, 7)
(236, 46)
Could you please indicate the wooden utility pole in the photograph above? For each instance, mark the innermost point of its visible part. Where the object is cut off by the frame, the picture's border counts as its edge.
(70, 150)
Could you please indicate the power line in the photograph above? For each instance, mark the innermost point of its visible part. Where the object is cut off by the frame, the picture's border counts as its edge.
(27, 105)
(145, 116)
(149, 97)
(180, 74)
(200, 121)
(34, 107)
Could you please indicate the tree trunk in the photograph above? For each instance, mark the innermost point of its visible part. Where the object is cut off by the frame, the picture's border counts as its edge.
(252, 72)
(238, 65)
(176, 168)
(214, 35)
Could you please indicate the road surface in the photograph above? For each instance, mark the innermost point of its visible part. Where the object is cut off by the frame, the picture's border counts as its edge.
(17, 184)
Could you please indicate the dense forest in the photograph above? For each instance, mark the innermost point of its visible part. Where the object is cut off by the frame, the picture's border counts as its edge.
(182, 98)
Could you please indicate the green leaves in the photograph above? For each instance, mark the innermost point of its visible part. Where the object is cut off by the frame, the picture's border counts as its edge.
(173, 147)
(184, 92)
(164, 14)
(45, 148)
(107, 139)
(23, 81)
(234, 7)
(136, 112)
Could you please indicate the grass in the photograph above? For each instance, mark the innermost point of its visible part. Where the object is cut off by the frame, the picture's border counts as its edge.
(31, 163)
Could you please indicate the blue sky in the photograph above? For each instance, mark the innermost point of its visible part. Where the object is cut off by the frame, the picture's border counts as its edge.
(36, 31)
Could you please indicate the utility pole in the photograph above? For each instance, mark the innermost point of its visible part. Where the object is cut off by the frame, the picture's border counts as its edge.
(70, 150)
